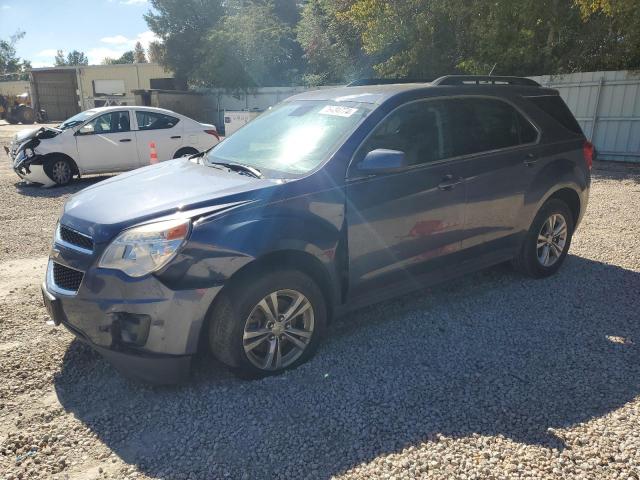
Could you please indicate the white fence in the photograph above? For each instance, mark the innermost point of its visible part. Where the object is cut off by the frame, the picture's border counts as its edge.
(607, 106)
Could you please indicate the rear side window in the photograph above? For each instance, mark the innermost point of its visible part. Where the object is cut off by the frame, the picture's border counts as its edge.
(154, 120)
(554, 106)
(483, 124)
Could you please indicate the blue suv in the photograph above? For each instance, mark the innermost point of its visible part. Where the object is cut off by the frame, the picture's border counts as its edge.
(329, 201)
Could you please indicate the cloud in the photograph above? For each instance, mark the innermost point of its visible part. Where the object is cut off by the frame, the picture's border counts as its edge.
(47, 52)
(115, 40)
(133, 2)
(41, 64)
(5, 7)
(117, 45)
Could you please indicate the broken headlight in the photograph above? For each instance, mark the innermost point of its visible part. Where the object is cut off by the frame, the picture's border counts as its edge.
(145, 249)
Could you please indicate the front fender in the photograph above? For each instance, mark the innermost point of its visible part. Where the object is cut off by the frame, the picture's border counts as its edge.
(219, 247)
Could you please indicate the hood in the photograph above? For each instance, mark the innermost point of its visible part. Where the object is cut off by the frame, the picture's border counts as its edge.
(40, 132)
(155, 191)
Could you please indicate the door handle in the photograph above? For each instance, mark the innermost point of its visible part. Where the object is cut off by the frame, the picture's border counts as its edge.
(530, 160)
(176, 136)
(449, 182)
(125, 140)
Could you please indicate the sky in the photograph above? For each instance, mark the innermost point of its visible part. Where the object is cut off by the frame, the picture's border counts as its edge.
(99, 28)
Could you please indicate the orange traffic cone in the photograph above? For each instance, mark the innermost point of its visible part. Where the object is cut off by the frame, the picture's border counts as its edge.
(153, 156)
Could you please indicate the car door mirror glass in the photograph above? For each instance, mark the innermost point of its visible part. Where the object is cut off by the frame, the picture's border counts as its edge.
(87, 129)
(383, 160)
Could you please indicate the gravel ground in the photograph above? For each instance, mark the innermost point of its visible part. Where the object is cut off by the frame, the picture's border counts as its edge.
(491, 376)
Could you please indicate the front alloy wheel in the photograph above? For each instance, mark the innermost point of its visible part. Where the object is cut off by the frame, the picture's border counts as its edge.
(278, 330)
(61, 172)
(266, 322)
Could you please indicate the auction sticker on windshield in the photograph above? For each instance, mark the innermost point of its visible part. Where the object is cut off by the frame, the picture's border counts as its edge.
(338, 111)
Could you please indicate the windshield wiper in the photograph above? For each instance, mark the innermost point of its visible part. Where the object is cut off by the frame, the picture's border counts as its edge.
(240, 168)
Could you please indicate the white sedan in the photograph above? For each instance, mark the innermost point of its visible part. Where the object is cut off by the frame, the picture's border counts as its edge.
(107, 139)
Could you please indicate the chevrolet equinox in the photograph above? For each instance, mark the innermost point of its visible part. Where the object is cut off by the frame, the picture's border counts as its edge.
(329, 201)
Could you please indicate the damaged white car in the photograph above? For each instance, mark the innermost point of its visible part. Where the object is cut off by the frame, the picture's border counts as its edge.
(104, 140)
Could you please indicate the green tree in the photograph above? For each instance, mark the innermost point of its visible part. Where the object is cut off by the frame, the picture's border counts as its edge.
(74, 57)
(127, 57)
(519, 37)
(617, 44)
(155, 52)
(77, 58)
(332, 49)
(60, 60)
(183, 26)
(12, 67)
(138, 53)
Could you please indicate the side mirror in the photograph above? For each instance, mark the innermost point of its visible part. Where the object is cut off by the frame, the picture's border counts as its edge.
(383, 161)
(85, 130)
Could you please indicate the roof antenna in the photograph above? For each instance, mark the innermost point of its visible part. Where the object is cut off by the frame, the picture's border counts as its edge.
(494, 67)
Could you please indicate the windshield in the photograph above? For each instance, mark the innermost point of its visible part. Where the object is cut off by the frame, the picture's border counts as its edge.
(292, 138)
(76, 119)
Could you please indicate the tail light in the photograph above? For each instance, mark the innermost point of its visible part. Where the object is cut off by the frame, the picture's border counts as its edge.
(587, 151)
(214, 133)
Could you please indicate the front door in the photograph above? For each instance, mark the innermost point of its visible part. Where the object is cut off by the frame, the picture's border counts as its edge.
(405, 226)
(107, 144)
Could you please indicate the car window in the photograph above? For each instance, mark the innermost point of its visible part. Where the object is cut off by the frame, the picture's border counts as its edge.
(154, 120)
(554, 106)
(113, 122)
(418, 129)
(292, 138)
(484, 124)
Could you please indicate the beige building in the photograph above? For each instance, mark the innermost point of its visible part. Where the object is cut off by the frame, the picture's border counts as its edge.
(64, 91)
(14, 87)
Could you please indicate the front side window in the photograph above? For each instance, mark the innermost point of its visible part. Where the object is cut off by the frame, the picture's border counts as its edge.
(113, 122)
(154, 120)
(418, 129)
(292, 138)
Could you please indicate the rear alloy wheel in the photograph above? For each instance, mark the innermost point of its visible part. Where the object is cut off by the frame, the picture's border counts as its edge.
(552, 239)
(267, 322)
(61, 171)
(547, 242)
(278, 330)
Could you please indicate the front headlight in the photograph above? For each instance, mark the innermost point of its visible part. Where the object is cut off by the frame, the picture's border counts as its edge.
(145, 249)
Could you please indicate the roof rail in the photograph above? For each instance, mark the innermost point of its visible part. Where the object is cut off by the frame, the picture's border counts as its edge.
(484, 79)
(386, 81)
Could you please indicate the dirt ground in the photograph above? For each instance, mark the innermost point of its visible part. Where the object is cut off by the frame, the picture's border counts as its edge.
(490, 376)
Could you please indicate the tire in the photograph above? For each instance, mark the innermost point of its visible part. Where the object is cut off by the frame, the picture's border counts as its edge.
(26, 114)
(242, 335)
(531, 259)
(60, 170)
(185, 151)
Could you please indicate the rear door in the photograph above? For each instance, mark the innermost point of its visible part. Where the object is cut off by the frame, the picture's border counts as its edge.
(402, 226)
(162, 130)
(107, 144)
(500, 144)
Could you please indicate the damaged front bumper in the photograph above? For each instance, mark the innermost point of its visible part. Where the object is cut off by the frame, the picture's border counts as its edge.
(147, 330)
(28, 164)
(30, 169)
